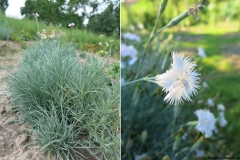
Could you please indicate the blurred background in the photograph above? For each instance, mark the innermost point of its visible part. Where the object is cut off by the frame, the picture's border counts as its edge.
(213, 41)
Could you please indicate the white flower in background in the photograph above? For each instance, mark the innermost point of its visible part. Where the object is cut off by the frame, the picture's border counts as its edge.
(141, 157)
(51, 35)
(221, 107)
(35, 15)
(205, 85)
(206, 122)
(107, 44)
(132, 37)
(184, 137)
(201, 52)
(181, 81)
(210, 102)
(111, 40)
(100, 43)
(43, 36)
(199, 153)
(129, 51)
(132, 28)
(140, 26)
(222, 120)
(101, 35)
(71, 25)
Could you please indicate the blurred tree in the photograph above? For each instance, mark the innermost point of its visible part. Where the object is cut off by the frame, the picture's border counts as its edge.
(3, 5)
(56, 11)
(107, 22)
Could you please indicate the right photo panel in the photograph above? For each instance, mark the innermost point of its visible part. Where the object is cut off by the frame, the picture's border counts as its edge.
(180, 79)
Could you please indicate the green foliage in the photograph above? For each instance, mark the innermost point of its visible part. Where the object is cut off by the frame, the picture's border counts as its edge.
(3, 5)
(5, 32)
(26, 29)
(114, 71)
(102, 53)
(54, 12)
(82, 111)
(107, 22)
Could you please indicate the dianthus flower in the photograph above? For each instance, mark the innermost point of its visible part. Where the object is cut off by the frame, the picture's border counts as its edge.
(206, 122)
(181, 81)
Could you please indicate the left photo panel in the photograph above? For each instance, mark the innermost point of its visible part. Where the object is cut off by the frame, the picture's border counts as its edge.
(59, 80)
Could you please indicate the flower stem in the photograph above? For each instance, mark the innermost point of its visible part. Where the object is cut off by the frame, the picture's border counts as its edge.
(37, 23)
(150, 79)
(152, 35)
(173, 22)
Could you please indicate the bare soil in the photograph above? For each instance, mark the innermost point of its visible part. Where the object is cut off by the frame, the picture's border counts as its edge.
(13, 136)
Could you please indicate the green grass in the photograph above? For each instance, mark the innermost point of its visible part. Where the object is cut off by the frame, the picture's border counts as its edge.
(25, 30)
(219, 71)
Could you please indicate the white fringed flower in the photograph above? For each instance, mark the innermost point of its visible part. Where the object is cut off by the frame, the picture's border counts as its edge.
(206, 122)
(222, 121)
(181, 81)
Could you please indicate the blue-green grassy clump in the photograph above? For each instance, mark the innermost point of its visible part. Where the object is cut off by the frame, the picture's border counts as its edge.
(70, 106)
(5, 32)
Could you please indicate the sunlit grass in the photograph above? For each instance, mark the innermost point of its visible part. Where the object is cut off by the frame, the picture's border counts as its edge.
(218, 62)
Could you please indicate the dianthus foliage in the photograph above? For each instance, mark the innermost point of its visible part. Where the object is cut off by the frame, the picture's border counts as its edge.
(69, 105)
